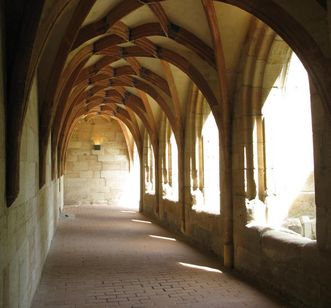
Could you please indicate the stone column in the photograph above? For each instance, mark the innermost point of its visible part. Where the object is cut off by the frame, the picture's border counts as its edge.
(142, 182)
(181, 183)
(322, 153)
(329, 17)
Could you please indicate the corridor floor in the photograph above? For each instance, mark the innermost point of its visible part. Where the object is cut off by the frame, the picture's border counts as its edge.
(103, 257)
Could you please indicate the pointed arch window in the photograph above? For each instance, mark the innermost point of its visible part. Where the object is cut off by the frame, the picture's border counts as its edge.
(170, 167)
(149, 168)
(211, 187)
(206, 169)
(289, 162)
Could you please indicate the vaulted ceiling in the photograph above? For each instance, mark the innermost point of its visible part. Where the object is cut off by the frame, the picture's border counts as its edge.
(133, 60)
(138, 60)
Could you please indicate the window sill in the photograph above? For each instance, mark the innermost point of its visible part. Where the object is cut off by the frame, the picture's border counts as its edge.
(204, 211)
(281, 235)
(170, 198)
(150, 192)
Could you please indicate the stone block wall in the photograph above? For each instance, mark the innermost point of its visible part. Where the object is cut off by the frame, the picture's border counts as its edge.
(149, 204)
(200, 228)
(28, 226)
(97, 176)
(276, 258)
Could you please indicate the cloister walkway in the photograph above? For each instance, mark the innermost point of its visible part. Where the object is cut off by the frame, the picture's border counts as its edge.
(102, 257)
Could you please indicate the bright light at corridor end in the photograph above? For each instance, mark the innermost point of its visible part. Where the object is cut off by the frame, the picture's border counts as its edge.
(204, 268)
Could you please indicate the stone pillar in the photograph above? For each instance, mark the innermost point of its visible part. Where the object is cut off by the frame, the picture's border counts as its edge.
(226, 201)
(142, 182)
(181, 183)
(322, 153)
(158, 181)
(329, 17)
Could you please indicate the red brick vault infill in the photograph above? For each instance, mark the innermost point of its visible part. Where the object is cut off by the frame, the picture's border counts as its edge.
(103, 257)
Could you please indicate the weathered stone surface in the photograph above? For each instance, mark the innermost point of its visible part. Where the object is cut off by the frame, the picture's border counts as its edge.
(27, 227)
(96, 176)
(234, 62)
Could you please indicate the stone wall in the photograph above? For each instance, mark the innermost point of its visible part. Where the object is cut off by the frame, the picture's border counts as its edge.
(28, 226)
(3, 214)
(297, 268)
(201, 228)
(293, 266)
(97, 176)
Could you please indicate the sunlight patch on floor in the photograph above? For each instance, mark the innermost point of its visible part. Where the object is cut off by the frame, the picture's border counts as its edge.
(204, 268)
(141, 221)
(163, 238)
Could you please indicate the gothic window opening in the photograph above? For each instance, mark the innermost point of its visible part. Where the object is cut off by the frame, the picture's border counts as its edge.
(149, 168)
(211, 189)
(289, 162)
(206, 177)
(170, 167)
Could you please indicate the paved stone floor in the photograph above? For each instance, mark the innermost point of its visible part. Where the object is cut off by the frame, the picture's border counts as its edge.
(109, 258)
